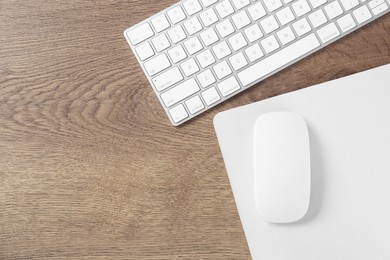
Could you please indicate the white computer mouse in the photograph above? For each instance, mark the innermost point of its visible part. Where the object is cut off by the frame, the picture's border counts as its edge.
(281, 167)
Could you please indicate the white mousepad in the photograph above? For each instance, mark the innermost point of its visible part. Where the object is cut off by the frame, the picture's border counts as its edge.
(349, 127)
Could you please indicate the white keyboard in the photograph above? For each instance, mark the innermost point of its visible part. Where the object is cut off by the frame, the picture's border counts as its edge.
(198, 53)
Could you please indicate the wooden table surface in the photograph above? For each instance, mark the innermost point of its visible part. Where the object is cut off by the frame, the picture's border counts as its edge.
(90, 167)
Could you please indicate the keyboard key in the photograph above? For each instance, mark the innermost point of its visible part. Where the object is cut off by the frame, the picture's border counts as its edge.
(253, 33)
(209, 37)
(272, 5)
(237, 41)
(178, 113)
(157, 64)
(189, 67)
(177, 34)
(192, 26)
(144, 51)
(225, 28)
(256, 11)
(194, 104)
(180, 92)
(349, 4)
(317, 3)
(206, 78)
(333, 9)
(207, 3)
(224, 9)
(239, 4)
(301, 7)
(161, 42)
(302, 27)
(270, 44)
(380, 8)
(278, 60)
(328, 32)
(205, 58)
(285, 15)
(176, 15)
(240, 20)
(269, 24)
(167, 79)
(222, 70)
(346, 23)
(210, 96)
(221, 50)
(140, 33)
(160, 23)
(317, 18)
(208, 17)
(374, 3)
(254, 52)
(177, 54)
(193, 45)
(192, 6)
(228, 86)
(362, 14)
(286, 35)
(238, 61)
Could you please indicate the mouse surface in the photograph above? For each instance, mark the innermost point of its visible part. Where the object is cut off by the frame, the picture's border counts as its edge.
(281, 167)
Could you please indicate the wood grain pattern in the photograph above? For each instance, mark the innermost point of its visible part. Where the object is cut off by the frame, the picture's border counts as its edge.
(90, 166)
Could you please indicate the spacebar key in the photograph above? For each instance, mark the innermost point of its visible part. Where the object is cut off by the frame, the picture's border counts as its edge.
(278, 60)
